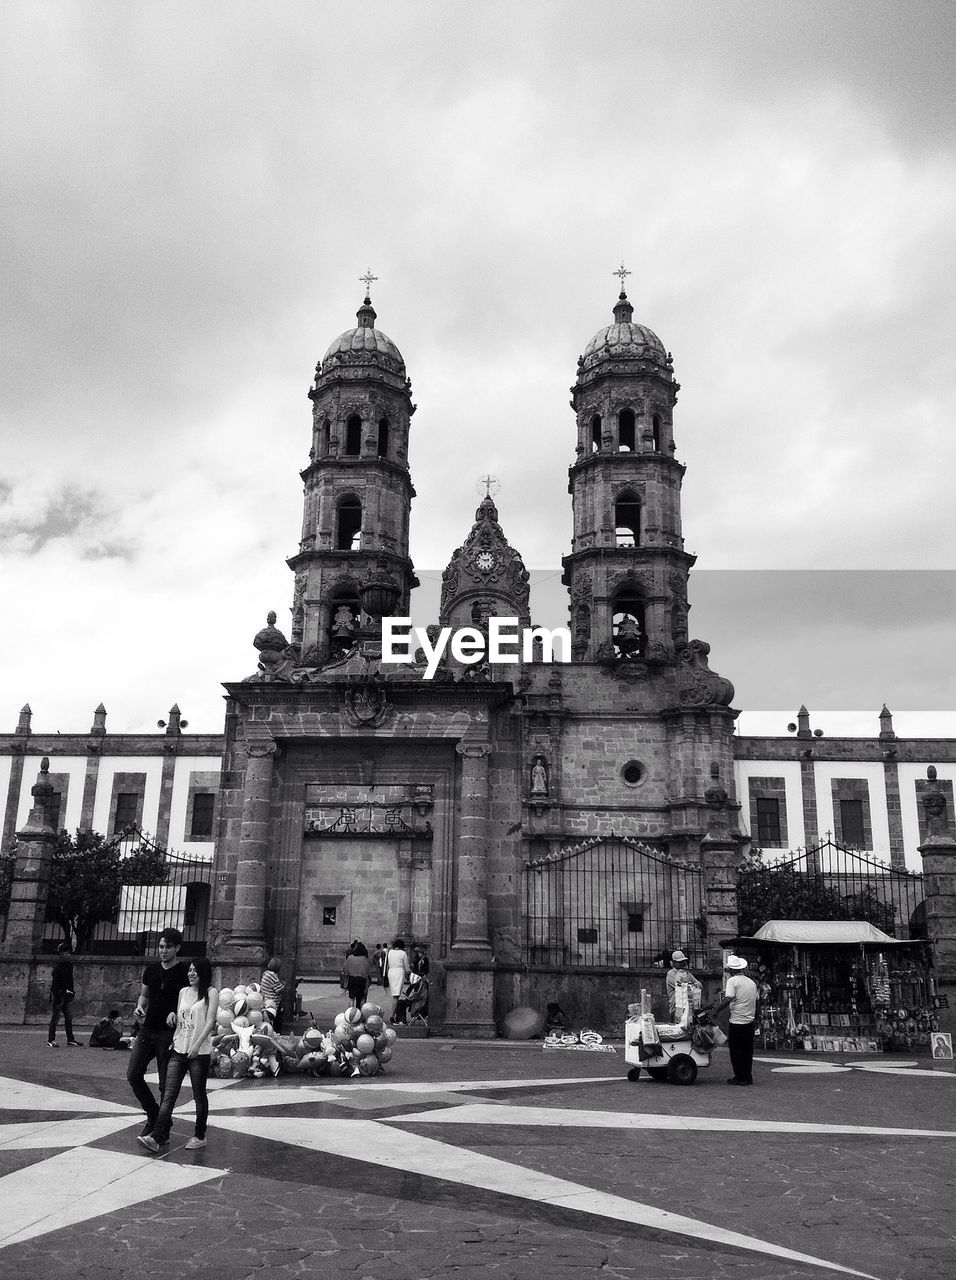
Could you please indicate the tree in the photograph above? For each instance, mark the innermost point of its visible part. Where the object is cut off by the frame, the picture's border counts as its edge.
(85, 880)
(785, 893)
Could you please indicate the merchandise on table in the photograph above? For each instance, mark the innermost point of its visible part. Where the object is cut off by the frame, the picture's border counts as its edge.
(868, 994)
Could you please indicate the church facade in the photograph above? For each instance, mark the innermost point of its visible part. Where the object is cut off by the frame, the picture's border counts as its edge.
(538, 826)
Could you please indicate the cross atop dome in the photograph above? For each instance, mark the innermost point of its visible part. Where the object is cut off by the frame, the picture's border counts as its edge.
(368, 280)
(622, 272)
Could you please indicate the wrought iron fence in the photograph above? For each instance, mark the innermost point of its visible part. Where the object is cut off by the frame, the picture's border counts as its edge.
(134, 911)
(828, 881)
(611, 903)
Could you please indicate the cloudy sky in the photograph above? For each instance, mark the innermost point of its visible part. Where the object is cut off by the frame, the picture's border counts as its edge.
(190, 193)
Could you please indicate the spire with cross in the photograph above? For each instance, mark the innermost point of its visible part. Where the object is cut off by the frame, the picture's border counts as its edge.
(622, 272)
(368, 280)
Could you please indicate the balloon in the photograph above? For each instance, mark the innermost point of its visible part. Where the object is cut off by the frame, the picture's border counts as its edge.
(241, 1004)
(340, 1019)
(391, 1035)
(374, 1024)
(223, 1067)
(356, 1029)
(255, 1001)
(224, 1017)
(381, 1041)
(353, 1015)
(371, 1011)
(240, 1064)
(267, 1028)
(313, 1037)
(255, 1017)
(341, 1035)
(227, 995)
(241, 989)
(384, 1055)
(369, 1065)
(240, 1022)
(253, 986)
(365, 1044)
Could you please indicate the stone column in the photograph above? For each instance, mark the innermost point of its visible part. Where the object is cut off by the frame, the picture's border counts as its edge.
(247, 941)
(470, 933)
(720, 853)
(938, 851)
(31, 876)
(469, 976)
(403, 853)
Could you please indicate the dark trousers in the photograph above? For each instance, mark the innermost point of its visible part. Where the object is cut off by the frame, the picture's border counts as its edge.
(147, 1046)
(740, 1045)
(176, 1069)
(58, 1005)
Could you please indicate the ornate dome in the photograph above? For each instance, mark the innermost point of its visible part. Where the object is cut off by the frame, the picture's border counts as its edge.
(624, 341)
(364, 345)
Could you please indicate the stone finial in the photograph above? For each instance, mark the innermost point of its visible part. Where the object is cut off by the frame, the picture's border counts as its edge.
(174, 725)
(42, 792)
(270, 638)
(23, 724)
(98, 727)
(886, 724)
(803, 723)
(623, 311)
(934, 805)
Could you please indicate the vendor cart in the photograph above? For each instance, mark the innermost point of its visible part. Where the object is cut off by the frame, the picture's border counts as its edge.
(667, 1051)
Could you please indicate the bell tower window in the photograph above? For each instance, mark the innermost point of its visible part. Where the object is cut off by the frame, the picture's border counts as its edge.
(383, 438)
(353, 436)
(326, 438)
(656, 428)
(344, 617)
(627, 520)
(625, 431)
(348, 532)
(627, 627)
(595, 433)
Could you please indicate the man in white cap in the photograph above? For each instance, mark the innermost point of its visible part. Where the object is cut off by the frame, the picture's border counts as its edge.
(740, 994)
(677, 976)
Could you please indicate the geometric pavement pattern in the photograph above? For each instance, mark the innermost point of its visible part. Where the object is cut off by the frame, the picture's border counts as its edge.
(79, 1182)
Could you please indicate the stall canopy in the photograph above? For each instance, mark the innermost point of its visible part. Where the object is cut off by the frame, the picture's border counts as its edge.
(807, 932)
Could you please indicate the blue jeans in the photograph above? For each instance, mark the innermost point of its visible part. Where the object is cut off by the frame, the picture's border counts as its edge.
(146, 1046)
(176, 1069)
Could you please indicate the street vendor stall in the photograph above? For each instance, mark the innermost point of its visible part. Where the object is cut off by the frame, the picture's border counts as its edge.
(840, 986)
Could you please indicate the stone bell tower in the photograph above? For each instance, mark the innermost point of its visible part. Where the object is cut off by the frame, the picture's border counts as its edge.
(358, 491)
(627, 571)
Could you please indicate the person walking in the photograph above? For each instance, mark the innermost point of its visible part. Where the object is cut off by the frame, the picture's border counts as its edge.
(378, 964)
(740, 995)
(192, 1026)
(358, 974)
(61, 997)
(162, 983)
(397, 969)
(271, 987)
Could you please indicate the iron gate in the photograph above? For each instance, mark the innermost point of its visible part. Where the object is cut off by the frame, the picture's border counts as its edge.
(611, 902)
(831, 882)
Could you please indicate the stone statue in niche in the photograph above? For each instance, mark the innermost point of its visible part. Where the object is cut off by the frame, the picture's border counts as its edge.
(539, 778)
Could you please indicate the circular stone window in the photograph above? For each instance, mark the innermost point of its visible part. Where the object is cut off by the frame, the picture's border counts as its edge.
(633, 773)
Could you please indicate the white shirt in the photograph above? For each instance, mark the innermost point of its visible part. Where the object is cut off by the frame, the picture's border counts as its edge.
(191, 1014)
(743, 998)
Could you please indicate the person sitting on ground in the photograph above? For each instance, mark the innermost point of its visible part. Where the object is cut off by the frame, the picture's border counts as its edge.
(678, 975)
(108, 1032)
(555, 1018)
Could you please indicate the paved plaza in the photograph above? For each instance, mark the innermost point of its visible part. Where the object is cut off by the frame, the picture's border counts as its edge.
(480, 1161)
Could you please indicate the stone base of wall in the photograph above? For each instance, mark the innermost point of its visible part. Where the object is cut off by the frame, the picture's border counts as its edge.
(101, 983)
(591, 998)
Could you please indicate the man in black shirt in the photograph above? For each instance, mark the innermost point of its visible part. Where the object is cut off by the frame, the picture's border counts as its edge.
(61, 996)
(158, 998)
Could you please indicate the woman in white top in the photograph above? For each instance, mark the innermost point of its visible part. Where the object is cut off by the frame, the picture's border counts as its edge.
(193, 1023)
(397, 969)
